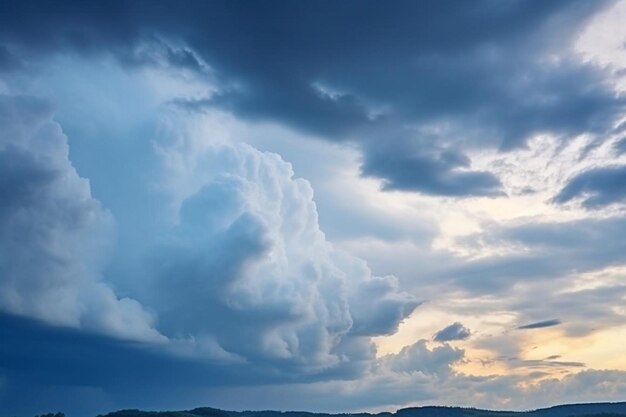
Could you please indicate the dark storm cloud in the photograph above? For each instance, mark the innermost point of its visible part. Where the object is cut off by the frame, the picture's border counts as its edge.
(37, 360)
(540, 324)
(431, 171)
(455, 331)
(598, 187)
(482, 69)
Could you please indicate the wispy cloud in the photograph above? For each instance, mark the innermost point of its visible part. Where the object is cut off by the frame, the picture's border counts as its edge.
(540, 324)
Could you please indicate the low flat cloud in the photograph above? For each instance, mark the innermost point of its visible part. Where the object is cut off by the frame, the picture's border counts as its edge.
(540, 324)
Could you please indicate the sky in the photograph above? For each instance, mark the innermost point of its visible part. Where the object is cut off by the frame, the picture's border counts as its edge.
(325, 205)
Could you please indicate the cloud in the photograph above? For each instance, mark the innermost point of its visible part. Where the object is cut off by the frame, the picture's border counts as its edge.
(241, 279)
(474, 77)
(422, 376)
(538, 363)
(430, 171)
(388, 307)
(605, 384)
(216, 230)
(455, 331)
(219, 254)
(549, 249)
(248, 249)
(597, 187)
(106, 373)
(418, 358)
(540, 324)
(394, 388)
(54, 233)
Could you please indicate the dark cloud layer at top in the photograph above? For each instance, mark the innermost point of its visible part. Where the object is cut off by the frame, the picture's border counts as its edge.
(481, 69)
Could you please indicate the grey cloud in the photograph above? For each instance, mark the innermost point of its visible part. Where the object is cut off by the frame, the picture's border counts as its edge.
(549, 364)
(430, 171)
(554, 255)
(604, 385)
(455, 331)
(555, 249)
(389, 306)
(598, 187)
(418, 358)
(540, 324)
(582, 311)
(53, 232)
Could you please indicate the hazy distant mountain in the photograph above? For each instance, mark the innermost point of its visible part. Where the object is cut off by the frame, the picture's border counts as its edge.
(568, 410)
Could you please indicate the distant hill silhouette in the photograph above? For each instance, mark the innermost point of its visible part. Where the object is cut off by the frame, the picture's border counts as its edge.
(568, 410)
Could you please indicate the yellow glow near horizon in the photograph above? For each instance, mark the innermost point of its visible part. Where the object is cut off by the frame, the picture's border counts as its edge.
(598, 349)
